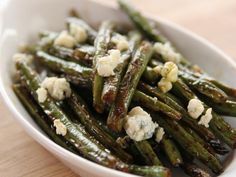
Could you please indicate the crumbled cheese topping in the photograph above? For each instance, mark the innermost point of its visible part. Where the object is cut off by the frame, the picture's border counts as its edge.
(165, 85)
(167, 52)
(159, 134)
(139, 125)
(138, 111)
(120, 41)
(42, 94)
(195, 108)
(64, 39)
(157, 69)
(78, 32)
(22, 57)
(107, 64)
(170, 71)
(58, 88)
(60, 127)
(205, 119)
(155, 99)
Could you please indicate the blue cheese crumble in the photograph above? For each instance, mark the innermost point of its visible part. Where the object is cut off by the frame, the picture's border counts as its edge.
(58, 88)
(107, 64)
(205, 119)
(139, 125)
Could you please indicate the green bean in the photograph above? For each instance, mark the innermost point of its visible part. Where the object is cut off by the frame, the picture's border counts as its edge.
(78, 81)
(90, 31)
(200, 140)
(75, 55)
(142, 151)
(147, 27)
(111, 84)
(128, 85)
(204, 87)
(85, 50)
(141, 22)
(86, 118)
(171, 151)
(226, 139)
(189, 144)
(228, 108)
(40, 117)
(102, 124)
(228, 90)
(101, 46)
(60, 66)
(147, 152)
(190, 168)
(63, 53)
(228, 134)
(167, 98)
(85, 53)
(154, 104)
(231, 92)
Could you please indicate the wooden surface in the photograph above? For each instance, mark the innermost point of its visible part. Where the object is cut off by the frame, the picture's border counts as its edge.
(215, 20)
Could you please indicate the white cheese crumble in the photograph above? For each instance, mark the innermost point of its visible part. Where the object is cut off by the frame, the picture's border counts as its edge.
(170, 71)
(120, 41)
(107, 64)
(60, 127)
(139, 125)
(58, 88)
(159, 134)
(195, 108)
(42, 94)
(167, 52)
(205, 119)
(78, 32)
(155, 99)
(21, 57)
(165, 85)
(157, 69)
(64, 39)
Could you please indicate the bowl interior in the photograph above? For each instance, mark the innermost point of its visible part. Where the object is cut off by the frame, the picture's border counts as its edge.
(21, 20)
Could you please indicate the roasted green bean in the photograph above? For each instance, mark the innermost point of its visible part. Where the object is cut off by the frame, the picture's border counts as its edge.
(128, 85)
(101, 46)
(112, 83)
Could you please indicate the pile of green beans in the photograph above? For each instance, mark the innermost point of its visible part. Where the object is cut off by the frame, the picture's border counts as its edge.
(95, 120)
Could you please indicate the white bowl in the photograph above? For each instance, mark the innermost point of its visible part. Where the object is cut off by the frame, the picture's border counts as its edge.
(21, 20)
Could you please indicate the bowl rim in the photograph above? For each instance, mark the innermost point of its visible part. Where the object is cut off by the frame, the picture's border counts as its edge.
(43, 139)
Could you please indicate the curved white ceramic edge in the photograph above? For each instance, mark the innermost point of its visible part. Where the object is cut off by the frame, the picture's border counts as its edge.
(13, 11)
